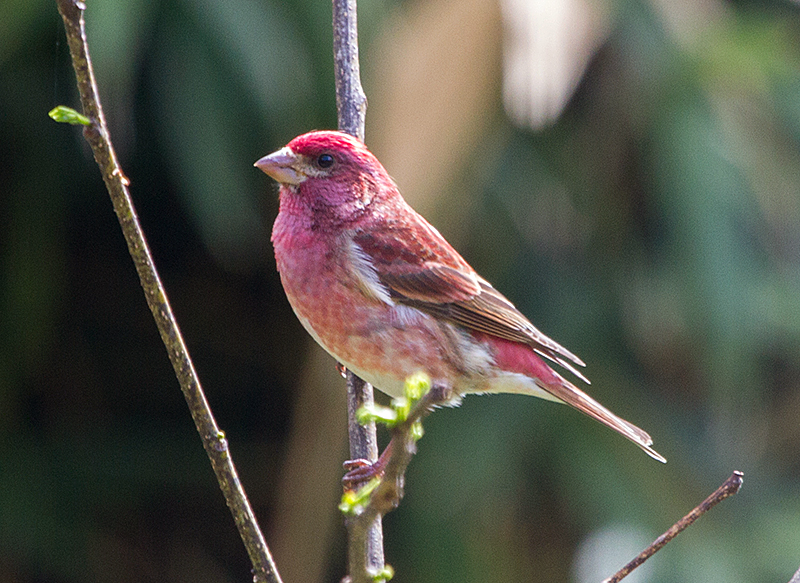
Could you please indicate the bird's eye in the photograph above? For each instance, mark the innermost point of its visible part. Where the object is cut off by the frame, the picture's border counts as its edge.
(325, 161)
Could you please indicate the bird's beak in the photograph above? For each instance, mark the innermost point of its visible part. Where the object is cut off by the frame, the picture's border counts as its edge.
(283, 166)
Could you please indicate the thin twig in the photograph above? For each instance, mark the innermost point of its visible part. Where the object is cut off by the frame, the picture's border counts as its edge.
(389, 491)
(214, 441)
(365, 553)
(728, 488)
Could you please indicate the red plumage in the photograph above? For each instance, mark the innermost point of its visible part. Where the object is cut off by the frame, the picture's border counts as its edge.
(387, 296)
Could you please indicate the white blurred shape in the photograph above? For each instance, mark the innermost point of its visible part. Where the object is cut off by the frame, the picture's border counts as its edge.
(607, 550)
(547, 47)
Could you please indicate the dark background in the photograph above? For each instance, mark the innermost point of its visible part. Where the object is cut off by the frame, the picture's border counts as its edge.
(653, 229)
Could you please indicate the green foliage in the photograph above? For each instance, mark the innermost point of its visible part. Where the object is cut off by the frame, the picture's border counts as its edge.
(353, 501)
(384, 574)
(416, 387)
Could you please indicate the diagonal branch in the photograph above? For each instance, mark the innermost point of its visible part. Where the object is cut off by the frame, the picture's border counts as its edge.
(214, 442)
(728, 488)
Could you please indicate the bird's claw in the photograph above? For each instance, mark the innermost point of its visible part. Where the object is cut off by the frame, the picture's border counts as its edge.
(361, 471)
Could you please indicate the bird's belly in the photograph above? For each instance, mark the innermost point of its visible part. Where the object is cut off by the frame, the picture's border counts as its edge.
(385, 343)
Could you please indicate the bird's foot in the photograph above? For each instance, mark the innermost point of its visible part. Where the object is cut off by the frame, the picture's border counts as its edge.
(361, 471)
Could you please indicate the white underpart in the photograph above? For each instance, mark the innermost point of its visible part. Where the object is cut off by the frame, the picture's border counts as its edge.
(514, 382)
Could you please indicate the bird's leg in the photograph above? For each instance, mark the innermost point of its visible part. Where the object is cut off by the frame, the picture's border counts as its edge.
(361, 471)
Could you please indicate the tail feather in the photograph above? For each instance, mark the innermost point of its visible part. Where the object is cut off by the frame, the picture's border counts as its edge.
(573, 396)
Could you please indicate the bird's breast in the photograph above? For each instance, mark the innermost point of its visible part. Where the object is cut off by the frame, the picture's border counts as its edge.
(381, 341)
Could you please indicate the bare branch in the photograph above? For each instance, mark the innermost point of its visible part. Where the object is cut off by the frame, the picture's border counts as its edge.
(214, 442)
(728, 488)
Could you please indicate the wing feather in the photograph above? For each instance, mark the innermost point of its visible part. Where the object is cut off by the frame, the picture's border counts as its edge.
(420, 269)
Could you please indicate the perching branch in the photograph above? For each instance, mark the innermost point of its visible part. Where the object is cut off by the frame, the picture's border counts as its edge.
(365, 551)
(351, 104)
(214, 442)
(381, 495)
(729, 488)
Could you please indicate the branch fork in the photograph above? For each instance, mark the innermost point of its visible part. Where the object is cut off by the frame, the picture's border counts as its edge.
(382, 494)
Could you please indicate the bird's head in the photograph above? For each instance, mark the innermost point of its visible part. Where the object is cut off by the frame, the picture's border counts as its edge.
(328, 172)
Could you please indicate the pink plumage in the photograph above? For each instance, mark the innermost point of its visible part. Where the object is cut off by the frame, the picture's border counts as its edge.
(386, 295)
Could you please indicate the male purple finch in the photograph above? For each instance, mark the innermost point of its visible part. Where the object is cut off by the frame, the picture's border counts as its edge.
(383, 292)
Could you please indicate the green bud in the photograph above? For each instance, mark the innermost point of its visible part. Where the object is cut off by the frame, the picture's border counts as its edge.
(417, 385)
(64, 114)
(369, 413)
(402, 407)
(417, 431)
(384, 574)
(353, 501)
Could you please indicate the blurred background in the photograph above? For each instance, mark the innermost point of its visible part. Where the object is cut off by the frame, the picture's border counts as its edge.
(626, 171)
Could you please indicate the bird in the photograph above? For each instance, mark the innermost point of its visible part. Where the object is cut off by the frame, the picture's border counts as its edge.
(383, 292)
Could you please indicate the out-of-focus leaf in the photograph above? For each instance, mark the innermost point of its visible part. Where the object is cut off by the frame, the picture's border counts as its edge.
(19, 18)
(195, 117)
(747, 52)
(260, 46)
(117, 30)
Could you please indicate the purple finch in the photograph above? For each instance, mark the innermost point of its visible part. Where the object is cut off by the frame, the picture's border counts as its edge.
(383, 292)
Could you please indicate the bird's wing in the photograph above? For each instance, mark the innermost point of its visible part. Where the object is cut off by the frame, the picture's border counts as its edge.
(422, 270)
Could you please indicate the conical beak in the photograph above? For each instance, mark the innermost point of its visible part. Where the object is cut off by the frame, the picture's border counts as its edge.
(283, 166)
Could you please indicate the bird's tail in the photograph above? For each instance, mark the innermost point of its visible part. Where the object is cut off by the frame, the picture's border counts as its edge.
(572, 395)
